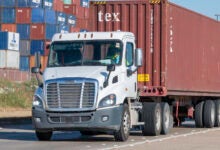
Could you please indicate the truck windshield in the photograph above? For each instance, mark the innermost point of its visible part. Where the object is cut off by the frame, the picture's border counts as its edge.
(87, 53)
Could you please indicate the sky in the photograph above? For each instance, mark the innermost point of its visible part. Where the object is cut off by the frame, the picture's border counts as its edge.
(205, 7)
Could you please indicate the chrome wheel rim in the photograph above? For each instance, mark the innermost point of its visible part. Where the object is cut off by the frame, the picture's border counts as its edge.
(126, 123)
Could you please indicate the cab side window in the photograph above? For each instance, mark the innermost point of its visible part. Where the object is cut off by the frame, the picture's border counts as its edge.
(129, 54)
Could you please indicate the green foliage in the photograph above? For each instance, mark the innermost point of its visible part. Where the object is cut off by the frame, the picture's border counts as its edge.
(16, 95)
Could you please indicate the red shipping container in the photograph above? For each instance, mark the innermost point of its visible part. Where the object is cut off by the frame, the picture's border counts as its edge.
(69, 9)
(9, 27)
(80, 12)
(74, 29)
(82, 23)
(180, 47)
(58, 5)
(23, 15)
(76, 2)
(37, 31)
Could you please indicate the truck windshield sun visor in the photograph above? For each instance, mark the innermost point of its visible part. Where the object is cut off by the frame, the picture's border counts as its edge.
(85, 53)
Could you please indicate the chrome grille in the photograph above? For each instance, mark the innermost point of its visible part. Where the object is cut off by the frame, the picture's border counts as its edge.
(71, 95)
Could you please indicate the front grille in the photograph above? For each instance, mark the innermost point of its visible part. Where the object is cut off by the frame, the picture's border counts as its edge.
(71, 95)
(69, 119)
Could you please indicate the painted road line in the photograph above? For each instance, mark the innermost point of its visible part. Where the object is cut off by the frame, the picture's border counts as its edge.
(162, 139)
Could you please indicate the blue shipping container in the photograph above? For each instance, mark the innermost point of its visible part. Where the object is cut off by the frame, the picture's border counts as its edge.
(7, 3)
(36, 3)
(40, 15)
(23, 3)
(37, 46)
(48, 4)
(61, 18)
(24, 30)
(50, 16)
(9, 41)
(50, 31)
(71, 20)
(24, 63)
(37, 15)
(84, 3)
(63, 28)
(7, 15)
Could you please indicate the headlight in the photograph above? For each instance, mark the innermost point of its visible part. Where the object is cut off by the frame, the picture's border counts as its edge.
(37, 101)
(107, 101)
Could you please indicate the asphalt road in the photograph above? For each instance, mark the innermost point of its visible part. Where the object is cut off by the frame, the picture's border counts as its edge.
(22, 137)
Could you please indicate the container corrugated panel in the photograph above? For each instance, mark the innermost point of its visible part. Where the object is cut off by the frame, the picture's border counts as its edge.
(8, 15)
(24, 63)
(9, 41)
(74, 29)
(50, 16)
(63, 28)
(84, 3)
(37, 15)
(71, 20)
(76, 2)
(180, 47)
(15, 75)
(40, 15)
(37, 31)
(9, 27)
(48, 4)
(23, 3)
(23, 15)
(82, 23)
(25, 48)
(8, 3)
(24, 31)
(9, 59)
(61, 18)
(69, 9)
(37, 46)
(58, 5)
(50, 29)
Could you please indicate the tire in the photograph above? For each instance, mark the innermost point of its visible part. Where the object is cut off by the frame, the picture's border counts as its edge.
(209, 114)
(123, 133)
(44, 135)
(152, 119)
(165, 114)
(199, 115)
(217, 112)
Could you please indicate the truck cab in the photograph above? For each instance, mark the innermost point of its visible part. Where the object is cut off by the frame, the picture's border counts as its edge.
(88, 84)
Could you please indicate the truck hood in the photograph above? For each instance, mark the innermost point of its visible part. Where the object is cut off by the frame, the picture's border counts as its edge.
(94, 72)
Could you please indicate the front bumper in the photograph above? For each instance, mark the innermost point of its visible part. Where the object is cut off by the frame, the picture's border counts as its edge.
(108, 119)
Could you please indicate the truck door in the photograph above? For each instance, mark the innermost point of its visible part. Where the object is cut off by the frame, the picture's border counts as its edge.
(131, 79)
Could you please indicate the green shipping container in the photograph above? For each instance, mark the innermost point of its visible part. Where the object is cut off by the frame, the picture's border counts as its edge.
(67, 2)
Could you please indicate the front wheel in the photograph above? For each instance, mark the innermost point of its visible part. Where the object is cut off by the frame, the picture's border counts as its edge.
(123, 133)
(44, 135)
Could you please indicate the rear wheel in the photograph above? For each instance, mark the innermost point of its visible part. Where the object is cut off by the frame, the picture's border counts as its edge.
(151, 118)
(123, 133)
(165, 113)
(44, 135)
(199, 115)
(217, 112)
(209, 114)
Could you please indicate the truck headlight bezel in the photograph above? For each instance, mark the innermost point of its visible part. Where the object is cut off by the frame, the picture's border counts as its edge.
(108, 101)
(37, 101)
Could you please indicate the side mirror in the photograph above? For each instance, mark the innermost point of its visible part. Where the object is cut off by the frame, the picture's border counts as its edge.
(138, 57)
(48, 46)
(37, 60)
(35, 70)
(111, 68)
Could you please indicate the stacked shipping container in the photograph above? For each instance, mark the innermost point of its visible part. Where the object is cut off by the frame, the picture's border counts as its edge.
(37, 20)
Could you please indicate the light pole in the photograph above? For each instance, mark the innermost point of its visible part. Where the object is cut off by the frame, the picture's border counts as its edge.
(217, 16)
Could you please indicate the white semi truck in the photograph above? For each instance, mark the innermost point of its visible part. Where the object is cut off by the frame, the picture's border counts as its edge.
(90, 84)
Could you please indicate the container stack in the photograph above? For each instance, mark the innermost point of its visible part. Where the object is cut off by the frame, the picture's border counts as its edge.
(36, 21)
